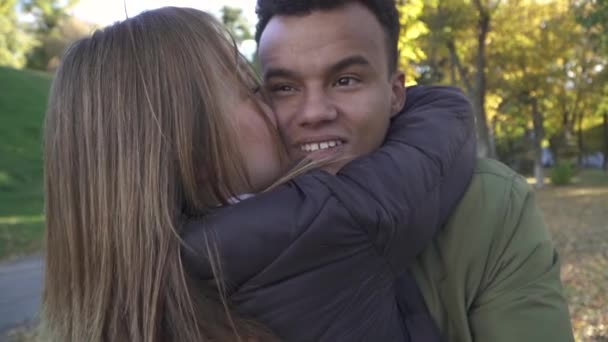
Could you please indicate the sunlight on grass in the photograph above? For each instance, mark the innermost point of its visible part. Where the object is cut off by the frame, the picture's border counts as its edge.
(12, 220)
(583, 177)
(585, 192)
(5, 178)
(532, 180)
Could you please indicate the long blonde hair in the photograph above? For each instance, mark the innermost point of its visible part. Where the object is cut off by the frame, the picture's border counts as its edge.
(137, 137)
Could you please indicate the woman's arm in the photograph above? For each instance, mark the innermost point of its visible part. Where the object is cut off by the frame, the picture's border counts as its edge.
(402, 193)
(393, 195)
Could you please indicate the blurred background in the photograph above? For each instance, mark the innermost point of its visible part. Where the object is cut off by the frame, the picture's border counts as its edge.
(535, 70)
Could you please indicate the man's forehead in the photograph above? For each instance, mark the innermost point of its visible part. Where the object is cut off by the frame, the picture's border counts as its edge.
(353, 17)
(319, 39)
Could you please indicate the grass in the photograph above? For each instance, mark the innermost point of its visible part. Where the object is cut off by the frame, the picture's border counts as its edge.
(577, 215)
(590, 178)
(21, 238)
(28, 333)
(22, 105)
(584, 178)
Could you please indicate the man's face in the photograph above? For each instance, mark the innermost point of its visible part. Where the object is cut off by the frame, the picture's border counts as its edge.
(328, 78)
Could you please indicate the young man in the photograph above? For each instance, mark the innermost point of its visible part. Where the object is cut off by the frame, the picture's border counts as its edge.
(331, 70)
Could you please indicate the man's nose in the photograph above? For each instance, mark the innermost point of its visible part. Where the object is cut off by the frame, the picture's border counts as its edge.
(317, 109)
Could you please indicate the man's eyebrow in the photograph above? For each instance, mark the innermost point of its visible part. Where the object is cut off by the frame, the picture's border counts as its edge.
(337, 67)
(279, 72)
(348, 62)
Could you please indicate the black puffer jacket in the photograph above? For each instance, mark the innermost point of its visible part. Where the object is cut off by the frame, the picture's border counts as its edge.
(316, 259)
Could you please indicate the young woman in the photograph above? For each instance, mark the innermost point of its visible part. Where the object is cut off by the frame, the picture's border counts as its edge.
(145, 151)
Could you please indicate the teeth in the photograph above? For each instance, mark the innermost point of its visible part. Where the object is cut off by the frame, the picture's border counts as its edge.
(312, 147)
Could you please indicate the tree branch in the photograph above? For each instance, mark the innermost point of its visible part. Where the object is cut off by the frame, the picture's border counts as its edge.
(461, 71)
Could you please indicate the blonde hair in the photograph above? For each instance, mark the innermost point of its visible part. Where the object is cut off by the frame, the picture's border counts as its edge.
(137, 137)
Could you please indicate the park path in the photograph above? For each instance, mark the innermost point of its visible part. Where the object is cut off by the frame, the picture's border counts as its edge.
(20, 292)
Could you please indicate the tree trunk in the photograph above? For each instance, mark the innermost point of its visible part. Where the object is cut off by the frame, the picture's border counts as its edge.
(539, 135)
(483, 142)
(606, 141)
(451, 45)
(580, 139)
(486, 146)
(452, 72)
(568, 136)
(568, 122)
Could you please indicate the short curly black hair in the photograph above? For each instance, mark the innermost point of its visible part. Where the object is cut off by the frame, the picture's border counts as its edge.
(384, 10)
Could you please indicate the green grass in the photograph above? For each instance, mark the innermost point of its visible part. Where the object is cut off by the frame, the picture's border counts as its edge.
(22, 105)
(592, 178)
(21, 239)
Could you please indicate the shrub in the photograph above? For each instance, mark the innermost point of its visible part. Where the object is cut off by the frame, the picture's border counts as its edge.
(562, 173)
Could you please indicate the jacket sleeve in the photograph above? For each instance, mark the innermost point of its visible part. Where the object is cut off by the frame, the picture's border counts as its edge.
(414, 180)
(392, 197)
(521, 297)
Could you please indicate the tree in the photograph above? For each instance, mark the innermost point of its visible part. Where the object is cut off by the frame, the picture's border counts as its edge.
(236, 23)
(605, 116)
(529, 67)
(53, 44)
(48, 13)
(14, 41)
(457, 41)
(411, 53)
(520, 54)
(51, 22)
(484, 11)
(593, 14)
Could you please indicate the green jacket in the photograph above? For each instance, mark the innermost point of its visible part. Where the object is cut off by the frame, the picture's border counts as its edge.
(493, 273)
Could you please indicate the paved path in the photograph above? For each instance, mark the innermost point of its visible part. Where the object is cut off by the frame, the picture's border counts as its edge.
(20, 292)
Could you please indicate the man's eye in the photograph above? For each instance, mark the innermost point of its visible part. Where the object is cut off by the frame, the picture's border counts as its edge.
(346, 81)
(282, 88)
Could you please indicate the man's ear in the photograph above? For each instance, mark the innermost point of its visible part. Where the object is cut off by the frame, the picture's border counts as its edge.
(398, 92)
